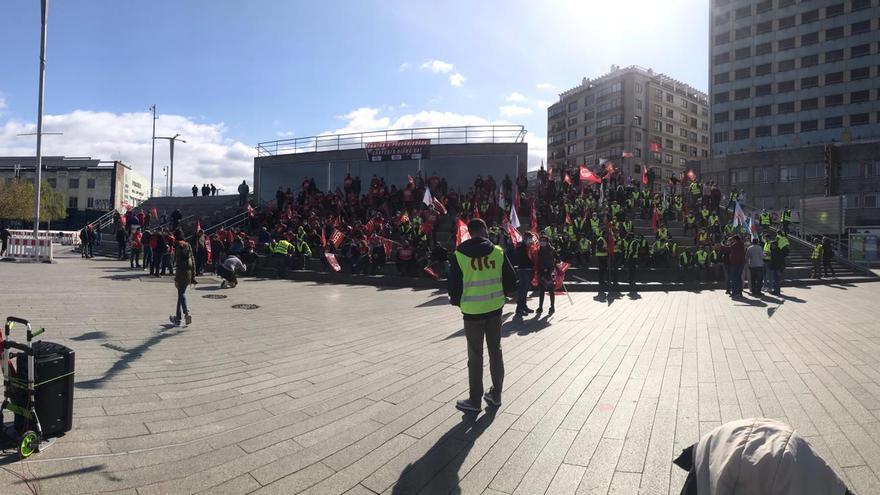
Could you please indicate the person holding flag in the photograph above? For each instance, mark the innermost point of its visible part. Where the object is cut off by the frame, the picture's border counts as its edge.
(523, 263)
(546, 266)
(478, 280)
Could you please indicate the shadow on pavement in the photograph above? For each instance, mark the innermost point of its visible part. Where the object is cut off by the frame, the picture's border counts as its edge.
(440, 465)
(90, 336)
(129, 356)
(437, 301)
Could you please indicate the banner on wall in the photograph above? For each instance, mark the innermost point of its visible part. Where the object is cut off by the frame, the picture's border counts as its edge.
(404, 149)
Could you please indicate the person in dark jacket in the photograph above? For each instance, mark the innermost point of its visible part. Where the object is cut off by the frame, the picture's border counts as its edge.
(546, 274)
(827, 256)
(121, 240)
(478, 281)
(184, 276)
(523, 265)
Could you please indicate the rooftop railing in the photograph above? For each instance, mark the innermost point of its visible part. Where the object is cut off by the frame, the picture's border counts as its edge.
(358, 140)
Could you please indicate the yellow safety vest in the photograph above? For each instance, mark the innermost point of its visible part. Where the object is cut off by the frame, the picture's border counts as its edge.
(701, 257)
(782, 242)
(601, 247)
(482, 291)
(281, 247)
(765, 219)
(766, 251)
(817, 252)
(786, 216)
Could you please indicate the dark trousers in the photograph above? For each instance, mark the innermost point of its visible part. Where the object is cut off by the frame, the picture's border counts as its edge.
(475, 331)
(541, 291)
(826, 267)
(227, 275)
(135, 258)
(522, 291)
(756, 280)
(631, 272)
(121, 246)
(734, 275)
(602, 263)
(155, 261)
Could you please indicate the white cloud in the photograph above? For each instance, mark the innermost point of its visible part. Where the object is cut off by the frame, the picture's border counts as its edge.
(403, 105)
(541, 104)
(545, 86)
(515, 97)
(207, 156)
(438, 66)
(457, 79)
(404, 66)
(514, 110)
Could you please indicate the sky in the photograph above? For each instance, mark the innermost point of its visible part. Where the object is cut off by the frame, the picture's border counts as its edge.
(229, 74)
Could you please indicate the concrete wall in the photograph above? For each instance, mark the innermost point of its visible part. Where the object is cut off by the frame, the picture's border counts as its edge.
(458, 163)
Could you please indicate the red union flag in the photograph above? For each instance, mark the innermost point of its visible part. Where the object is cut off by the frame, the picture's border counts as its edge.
(336, 238)
(588, 176)
(461, 232)
(431, 273)
(439, 206)
(644, 175)
(561, 268)
(626, 154)
(332, 262)
(655, 146)
(567, 179)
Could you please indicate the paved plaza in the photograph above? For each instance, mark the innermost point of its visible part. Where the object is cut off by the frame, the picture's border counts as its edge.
(329, 389)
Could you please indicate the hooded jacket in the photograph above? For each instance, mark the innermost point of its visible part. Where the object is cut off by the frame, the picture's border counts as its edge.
(477, 247)
(758, 456)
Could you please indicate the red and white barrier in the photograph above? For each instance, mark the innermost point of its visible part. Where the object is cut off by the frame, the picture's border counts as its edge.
(63, 237)
(28, 249)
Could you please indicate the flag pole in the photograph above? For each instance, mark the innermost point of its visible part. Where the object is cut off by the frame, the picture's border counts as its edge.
(567, 294)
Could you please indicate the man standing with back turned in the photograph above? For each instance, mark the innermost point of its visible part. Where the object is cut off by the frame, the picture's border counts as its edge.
(478, 281)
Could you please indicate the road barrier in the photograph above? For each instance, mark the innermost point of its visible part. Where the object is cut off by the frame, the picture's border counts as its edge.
(28, 249)
(63, 237)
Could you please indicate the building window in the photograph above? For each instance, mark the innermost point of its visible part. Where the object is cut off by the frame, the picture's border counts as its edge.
(744, 73)
(683, 132)
(90, 183)
(658, 126)
(783, 129)
(668, 144)
(572, 149)
(90, 202)
(722, 78)
(850, 170)
(743, 53)
(73, 202)
(742, 114)
(763, 69)
(872, 169)
(814, 170)
(860, 5)
(742, 33)
(683, 148)
(833, 122)
(73, 184)
(743, 12)
(763, 89)
(670, 113)
(739, 176)
(721, 117)
(719, 137)
(723, 18)
(763, 110)
(638, 88)
(809, 125)
(785, 87)
(787, 44)
(809, 82)
(683, 118)
(811, 16)
(833, 78)
(833, 100)
(743, 93)
(860, 73)
(763, 131)
(670, 129)
(572, 106)
(850, 201)
(809, 104)
(658, 93)
(860, 119)
(834, 10)
(667, 158)
(670, 98)
(834, 56)
(785, 65)
(722, 97)
(860, 51)
(762, 49)
(860, 27)
(834, 33)
(764, 27)
(682, 162)
(684, 103)
(722, 58)
(806, 39)
(704, 139)
(765, 6)
(870, 201)
(787, 22)
(588, 100)
(637, 120)
(658, 110)
(589, 115)
(572, 135)
(656, 155)
(790, 173)
(810, 61)
(764, 175)
(722, 38)
(785, 107)
(637, 152)
(740, 134)
(638, 104)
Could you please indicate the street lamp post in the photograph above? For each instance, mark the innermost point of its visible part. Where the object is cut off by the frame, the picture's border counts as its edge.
(153, 151)
(44, 14)
(171, 140)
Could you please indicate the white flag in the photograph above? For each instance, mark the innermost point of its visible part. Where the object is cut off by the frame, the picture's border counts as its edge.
(514, 218)
(428, 199)
(739, 217)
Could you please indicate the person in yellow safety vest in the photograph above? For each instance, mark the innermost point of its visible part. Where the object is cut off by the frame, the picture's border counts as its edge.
(280, 249)
(549, 231)
(662, 232)
(694, 188)
(478, 280)
(816, 258)
(684, 263)
(615, 209)
(714, 226)
(690, 223)
(578, 225)
(702, 257)
(584, 246)
(602, 258)
(702, 237)
(704, 214)
(765, 219)
(786, 219)
(628, 226)
(303, 252)
(630, 203)
(569, 229)
(594, 224)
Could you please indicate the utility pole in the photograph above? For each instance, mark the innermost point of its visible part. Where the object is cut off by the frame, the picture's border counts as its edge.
(153, 151)
(44, 14)
(171, 141)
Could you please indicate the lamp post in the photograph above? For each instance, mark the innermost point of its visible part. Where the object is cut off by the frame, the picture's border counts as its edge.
(153, 150)
(44, 14)
(171, 140)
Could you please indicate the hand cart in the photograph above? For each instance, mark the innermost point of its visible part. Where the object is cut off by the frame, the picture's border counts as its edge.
(30, 440)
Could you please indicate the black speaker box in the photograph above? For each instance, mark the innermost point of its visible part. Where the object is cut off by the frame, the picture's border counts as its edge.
(53, 395)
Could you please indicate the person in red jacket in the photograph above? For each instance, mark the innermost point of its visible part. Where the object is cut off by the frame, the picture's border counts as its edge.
(134, 244)
(736, 259)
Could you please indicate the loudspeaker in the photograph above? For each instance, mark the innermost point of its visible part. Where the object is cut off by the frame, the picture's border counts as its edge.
(53, 394)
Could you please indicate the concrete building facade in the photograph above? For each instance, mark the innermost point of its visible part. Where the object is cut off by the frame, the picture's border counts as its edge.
(662, 122)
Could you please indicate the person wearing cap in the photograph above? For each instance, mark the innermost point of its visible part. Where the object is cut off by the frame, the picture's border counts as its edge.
(478, 280)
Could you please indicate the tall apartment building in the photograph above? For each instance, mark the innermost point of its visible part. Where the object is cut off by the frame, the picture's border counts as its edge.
(787, 73)
(795, 92)
(663, 122)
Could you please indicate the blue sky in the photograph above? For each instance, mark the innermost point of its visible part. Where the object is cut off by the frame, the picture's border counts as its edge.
(228, 74)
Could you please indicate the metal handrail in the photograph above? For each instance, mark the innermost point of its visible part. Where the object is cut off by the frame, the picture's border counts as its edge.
(357, 140)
